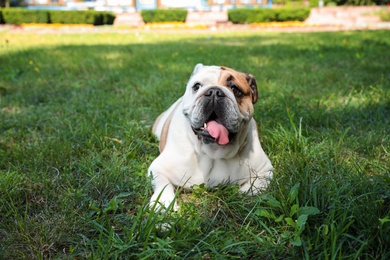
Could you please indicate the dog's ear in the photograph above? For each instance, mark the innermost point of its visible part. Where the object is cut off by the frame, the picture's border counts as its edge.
(197, 68)
(252, 83)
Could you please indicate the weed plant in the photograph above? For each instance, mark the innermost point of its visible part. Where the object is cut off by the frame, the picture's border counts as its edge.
(75, 145)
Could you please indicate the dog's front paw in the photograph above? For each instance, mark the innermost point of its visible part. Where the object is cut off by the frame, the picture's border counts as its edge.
(163, 201)
(257, 184)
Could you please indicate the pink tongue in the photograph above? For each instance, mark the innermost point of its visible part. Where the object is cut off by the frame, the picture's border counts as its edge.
(219, 132)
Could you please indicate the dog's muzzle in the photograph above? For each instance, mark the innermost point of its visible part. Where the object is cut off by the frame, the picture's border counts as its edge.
(214, 126)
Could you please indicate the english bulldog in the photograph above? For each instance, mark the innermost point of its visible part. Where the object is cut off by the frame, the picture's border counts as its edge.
(209, 136)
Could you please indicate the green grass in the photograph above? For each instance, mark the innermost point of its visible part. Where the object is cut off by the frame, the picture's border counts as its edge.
(75, 145)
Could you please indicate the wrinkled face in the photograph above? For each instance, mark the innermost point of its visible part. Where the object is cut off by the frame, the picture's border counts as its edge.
(218, 102)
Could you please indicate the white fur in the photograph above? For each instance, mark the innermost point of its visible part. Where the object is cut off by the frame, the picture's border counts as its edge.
(186, 161)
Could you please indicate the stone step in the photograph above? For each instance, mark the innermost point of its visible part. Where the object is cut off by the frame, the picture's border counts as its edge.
(132, 19)
(344, 15)
(212, 18)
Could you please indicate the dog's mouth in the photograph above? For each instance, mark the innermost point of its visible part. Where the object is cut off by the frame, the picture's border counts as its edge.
(214, 131)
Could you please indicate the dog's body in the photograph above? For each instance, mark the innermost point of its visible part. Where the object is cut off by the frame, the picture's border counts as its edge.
(209, 136)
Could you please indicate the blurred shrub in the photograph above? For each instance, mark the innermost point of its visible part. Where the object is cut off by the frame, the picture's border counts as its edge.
(168, 15)
(258, 15)
(385, 15)
(19, 16)
(1, 17)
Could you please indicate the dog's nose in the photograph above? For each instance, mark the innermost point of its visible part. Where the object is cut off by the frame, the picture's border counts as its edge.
(216, 92)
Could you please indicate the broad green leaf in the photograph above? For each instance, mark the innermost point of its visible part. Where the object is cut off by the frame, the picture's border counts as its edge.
(273, 202)
(291, 222)
(279, 219)
(112, 205)
(384, 220)
(308, 211)
(301, 222)
(265, 213)
(286, 235)
(123, 195)
(293, 193)
(294, 209)
(296, 242)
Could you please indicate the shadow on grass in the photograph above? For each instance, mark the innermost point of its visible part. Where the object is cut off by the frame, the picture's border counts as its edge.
(336, 81)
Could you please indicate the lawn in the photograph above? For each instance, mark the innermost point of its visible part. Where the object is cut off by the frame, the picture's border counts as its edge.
(75, 145)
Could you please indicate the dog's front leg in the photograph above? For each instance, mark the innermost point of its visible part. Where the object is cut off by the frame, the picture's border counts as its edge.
(164, 193)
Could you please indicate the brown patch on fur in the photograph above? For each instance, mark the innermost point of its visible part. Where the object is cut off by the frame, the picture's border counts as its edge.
(253, 85)
(245, 82)
(157, 122)
(164, 131)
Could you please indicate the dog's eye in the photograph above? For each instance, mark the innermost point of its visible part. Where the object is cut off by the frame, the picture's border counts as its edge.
(196, 87)
(236, 91)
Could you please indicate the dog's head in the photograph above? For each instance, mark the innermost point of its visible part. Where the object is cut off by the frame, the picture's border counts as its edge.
(218, 103)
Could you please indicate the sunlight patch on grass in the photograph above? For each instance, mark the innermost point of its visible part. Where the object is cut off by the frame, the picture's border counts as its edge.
(55, 25)
(172, 25)
(11, 110)
(280, 24)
